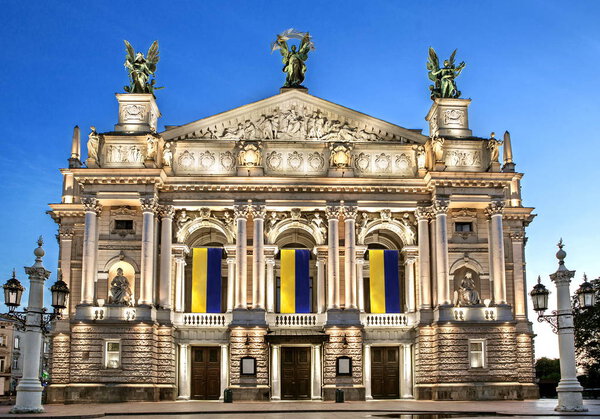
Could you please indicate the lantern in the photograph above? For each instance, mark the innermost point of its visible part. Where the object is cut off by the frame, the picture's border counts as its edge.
(586, 294)
(539, 296)
(60, 291)
(13, 291)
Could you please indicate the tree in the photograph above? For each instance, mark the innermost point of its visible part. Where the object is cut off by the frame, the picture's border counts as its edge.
(547, 372)
(587, 338)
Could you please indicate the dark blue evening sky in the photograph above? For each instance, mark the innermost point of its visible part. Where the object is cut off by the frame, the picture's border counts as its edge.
(532, 68)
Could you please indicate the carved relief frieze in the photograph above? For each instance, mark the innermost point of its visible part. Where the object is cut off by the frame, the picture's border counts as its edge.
(361, 162)
(124, 153)
(206, 159)
(227, 160)
(187, 160)
(383, 163)
(463, 158)
(454, 116)
(133, 113)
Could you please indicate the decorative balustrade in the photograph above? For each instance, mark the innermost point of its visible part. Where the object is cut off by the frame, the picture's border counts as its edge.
(203, 319)
(295, 320)
(386, 320)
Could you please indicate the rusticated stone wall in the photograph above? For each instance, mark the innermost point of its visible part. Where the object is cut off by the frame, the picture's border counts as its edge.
(335, 348)
(60, 359)
(248, 342)
(147, 354)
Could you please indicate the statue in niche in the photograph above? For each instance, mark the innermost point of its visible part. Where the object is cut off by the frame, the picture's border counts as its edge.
(466, 295)
(140, 69)
(293, 59)
(443, 78)
(168, 155)
(437, 146)
(319, 224)
(93, 144)
(421, 157)
(151, 145)
(120, 292)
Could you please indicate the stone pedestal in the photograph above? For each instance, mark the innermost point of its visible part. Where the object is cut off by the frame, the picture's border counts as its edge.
(449, 118)
(138, 112)
(340, 172)
(494, 166)
(250, 171)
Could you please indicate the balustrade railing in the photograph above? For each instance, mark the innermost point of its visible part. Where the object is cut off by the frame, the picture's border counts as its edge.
(386, 320)
(203, 319)
(295, 319)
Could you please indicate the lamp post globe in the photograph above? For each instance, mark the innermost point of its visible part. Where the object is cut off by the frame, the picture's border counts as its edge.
(586, 296)
(539, 296)
(60, 292)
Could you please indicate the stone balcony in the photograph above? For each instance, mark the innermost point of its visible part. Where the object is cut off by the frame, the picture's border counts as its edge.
(204, 320)
(388, 320)
(296, 320)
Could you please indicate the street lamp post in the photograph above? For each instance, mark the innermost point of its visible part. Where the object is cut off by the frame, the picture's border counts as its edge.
(569, 390)
(35, 321)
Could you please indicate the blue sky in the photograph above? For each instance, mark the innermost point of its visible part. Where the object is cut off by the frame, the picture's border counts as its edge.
(531, 68)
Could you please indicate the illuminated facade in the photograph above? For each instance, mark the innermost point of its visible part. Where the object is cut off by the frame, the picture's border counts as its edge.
(413, 285)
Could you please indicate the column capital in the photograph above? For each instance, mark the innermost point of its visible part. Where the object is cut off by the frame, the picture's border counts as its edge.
(321, 252)
(230, 250)
(65, 233)
(166, 211)
(440, 206)
(518, 236)
(332, 212)
(91, 204)
(258, 211)
(423, 213)
(350, 212)
(270, 251)
(148, 204)
(495, 208)
(241, 211)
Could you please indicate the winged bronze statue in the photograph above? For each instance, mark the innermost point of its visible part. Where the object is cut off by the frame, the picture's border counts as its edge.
(293, 59)
(141, 68)
(443, 78)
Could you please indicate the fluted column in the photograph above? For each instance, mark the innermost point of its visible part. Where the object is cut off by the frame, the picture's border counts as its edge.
(148, 206)
(360, 281)
(440, 210)
(275, 380)
(184, 372)
(423, 215)
(518, 242)
(258, 257)
(333, 257)
(496, 249)
(88, 269)
(321, 253)
(367, 373)
(270, 252)
(231, 261)
(166, 244)
(350, 213)
(241, 254)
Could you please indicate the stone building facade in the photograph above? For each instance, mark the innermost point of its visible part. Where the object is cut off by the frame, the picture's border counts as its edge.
(292, 171)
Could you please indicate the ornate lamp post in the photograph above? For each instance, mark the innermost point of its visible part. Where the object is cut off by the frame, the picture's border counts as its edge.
(569, 390)
(35, 321)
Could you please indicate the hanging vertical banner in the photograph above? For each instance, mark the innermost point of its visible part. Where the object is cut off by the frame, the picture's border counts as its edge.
(385, 281)
(295, 281)
(206, 280)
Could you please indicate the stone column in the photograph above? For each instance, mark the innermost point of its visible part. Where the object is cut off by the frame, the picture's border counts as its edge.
(406, 389)
(184, 372)
(440, 209)
(270, 252)
(166, 231)
(333, 257)
(231, 261)
(241, 254)
(147, 266)
(367, 373)
(518, 242)
(258, 257)
(360, 281)
(350, 213)
(316, 372)
(275, 380)
(423, 215)
(65, 236)
(496, 249)
(410, 260)
(179, 283)
(224, 369)
(88, 268)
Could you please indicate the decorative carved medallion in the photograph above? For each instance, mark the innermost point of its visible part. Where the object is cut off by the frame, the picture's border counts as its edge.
(132, 113)
(463, 158)
(186, 160)
(362, 162)
(274, 160)
(383, 162)
(316, 161)
(403, 163)
(295, 160)
(454, 116)
(227, 160)
(206, 159)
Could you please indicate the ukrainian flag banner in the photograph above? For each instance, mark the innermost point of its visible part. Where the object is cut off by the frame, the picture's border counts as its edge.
(295, 281)
(206, 280)
(385, 281)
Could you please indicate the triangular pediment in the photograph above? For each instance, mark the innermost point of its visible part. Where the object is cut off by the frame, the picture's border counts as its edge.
(294, 115)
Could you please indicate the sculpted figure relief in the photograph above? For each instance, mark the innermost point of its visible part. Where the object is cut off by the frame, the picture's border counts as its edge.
(493, 145)
(467, 295)
(93, 144)
(151, 146)
(443, 78)
(293, 59)
(140, 69)
(168, 155)
(120, 292)
(437, 146)
(421, 157)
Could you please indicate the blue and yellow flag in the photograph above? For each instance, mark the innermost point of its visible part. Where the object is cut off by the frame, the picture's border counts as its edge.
(206, 280)
(295, 281)
(385, 281)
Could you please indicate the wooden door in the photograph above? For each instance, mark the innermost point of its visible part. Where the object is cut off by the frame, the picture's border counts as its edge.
(295, 373)
(206, 373)
(385, 373)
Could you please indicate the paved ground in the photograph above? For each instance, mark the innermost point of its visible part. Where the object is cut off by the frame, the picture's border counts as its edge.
(401, 409)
